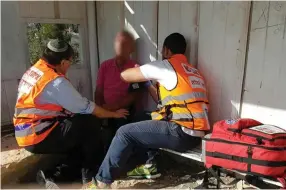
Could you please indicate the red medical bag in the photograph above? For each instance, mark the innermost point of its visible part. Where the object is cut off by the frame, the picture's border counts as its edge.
(247, 146)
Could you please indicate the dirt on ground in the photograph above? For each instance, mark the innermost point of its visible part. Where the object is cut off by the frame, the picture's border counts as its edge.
(177, 173)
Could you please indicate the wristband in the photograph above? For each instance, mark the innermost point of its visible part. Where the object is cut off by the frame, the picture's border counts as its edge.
(147, 84)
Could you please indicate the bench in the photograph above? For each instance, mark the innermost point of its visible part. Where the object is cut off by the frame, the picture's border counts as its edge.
(198, 155)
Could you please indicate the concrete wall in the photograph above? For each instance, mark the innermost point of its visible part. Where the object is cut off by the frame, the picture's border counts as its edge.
(265, 76)
(238, 46)
(13, 58)
(242, 55)
(223, 28)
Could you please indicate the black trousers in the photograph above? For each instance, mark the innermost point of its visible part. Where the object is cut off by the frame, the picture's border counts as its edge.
(109, 128)
(79, 137)
(111, 125)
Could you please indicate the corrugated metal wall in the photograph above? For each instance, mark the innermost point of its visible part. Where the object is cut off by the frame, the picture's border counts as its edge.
(238, 46)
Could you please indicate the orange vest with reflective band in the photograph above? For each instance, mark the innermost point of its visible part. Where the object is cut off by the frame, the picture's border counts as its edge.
(33, 122)
(187, 103)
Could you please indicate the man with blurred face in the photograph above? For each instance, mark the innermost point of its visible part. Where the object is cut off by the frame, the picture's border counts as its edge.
(112, 92)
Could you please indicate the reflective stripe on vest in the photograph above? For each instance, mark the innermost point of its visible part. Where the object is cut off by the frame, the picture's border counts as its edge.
(38, 129)
(181, 116)
(23, 111)
(193, 95)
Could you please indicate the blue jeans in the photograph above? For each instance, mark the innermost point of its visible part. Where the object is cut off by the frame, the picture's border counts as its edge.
(142, 135)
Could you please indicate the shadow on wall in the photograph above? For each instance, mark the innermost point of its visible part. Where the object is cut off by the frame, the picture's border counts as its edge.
(144, 56)
(146, 43)
(147, 102)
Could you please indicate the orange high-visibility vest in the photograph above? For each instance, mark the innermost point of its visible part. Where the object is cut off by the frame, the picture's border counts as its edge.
(33, 122)
(187, 103)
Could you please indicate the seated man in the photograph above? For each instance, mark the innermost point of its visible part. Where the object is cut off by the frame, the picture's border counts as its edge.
(51, 117)
(112, 92)
(181, 119)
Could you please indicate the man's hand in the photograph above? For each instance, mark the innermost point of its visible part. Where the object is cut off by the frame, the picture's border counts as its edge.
(122, 113)
(104, 113)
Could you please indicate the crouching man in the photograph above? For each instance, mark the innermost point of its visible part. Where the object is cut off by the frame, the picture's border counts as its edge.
(181, 119)
(51, 117)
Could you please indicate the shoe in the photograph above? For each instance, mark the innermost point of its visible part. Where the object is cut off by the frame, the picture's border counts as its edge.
(95, 185)
(144, 172)
(86, 176)
(89, 185)
(48, 183)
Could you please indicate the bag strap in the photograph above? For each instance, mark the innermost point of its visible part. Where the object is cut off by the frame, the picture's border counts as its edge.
(282, 180)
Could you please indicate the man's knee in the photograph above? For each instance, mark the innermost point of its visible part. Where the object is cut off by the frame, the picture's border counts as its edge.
(123, 133)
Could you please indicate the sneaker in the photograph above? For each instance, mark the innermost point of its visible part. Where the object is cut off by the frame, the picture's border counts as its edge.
(95, 185)
(48, 183)
(89, 185)
(144, 172)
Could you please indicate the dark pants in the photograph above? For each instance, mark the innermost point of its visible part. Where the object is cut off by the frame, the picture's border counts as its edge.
(109, 128)
(78, 137)
(144, 134)
(111, 125)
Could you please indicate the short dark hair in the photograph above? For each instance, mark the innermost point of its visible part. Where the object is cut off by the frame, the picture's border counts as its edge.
(55, 58)
(176, 43)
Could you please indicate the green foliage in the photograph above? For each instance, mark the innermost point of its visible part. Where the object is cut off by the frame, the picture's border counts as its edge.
(39, 34)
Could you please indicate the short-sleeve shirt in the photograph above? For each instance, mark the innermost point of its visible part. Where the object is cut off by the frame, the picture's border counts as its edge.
(114, 88)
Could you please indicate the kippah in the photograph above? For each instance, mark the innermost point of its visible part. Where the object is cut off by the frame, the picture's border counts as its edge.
(57, 45)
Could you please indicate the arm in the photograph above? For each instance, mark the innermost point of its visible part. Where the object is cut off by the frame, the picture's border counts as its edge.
(160, 71)
(153, 92)
(61, 92)
(127, 101)
(133, 75)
